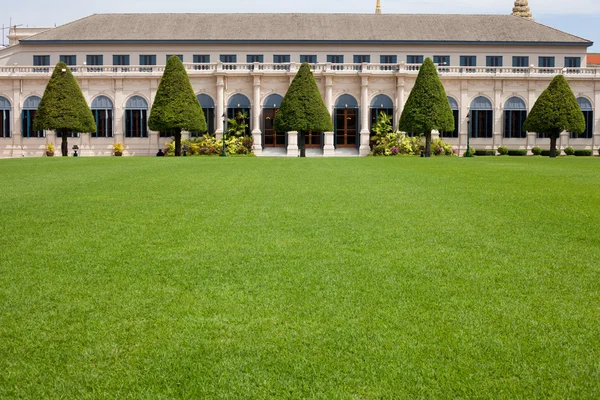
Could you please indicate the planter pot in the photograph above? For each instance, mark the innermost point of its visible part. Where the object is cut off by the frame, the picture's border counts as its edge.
(118, 153)
(49, 154)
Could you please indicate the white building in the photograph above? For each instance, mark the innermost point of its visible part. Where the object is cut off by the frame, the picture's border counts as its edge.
(493, 66)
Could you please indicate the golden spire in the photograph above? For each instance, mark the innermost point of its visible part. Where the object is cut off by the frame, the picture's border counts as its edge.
(521, 9)
(378, 7)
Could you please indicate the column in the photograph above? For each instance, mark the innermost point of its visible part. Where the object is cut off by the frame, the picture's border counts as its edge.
(328, 147)
(596, 135)
(329, 93)
(154, 137)
(292, 147)
(498, 117)
(531, 98)
(398, 101)
(465, 104)
(17, 137)
(220, 105)
(256, 112)
(364, 148)
(119, 112)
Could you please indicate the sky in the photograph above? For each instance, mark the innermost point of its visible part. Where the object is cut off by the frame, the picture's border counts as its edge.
(578, 17)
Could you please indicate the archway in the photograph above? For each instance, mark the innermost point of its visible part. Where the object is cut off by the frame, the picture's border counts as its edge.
(239, 108)
(482, 118)
(346, 121)
(102, 109)
(515, 113)
(4, 117)
(381, 104)
(208, 108)
(270, 108)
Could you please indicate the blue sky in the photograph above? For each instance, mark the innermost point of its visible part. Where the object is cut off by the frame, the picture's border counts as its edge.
(579, 17)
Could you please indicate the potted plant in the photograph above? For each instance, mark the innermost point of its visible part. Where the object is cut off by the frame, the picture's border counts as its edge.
(50, 150)
(75, 148)
(118, 149)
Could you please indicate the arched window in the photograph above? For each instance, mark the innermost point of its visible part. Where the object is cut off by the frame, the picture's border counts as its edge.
(4, 117)
(136, 117)
(381, 104)
(588, 114)
(270, 108)
(208, 107)
(515, 113)
(102, 109)
(27, 115)
(482, 118)
(346, 121)
(454, 108)
(238, 108)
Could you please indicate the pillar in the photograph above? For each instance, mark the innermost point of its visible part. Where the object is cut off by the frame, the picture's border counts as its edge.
(17, 137)
(364, 148)
(292, 147)
(329, 94)
(256, 113)
(498, 116)
(398, 101)
(220, 105)
(328, 147)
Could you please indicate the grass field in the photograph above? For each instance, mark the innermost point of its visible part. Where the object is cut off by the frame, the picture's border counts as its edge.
(403, 278)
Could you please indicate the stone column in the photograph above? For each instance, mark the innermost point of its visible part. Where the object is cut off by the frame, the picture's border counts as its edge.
(398, 101)
(328, 147)
(118, 128)
(292, 147)
(498, 117)
(256, 112)
(17, 136)
(364, 148)
(329, 93)
(531, 98)
(596, 135)
(220, 105)
(464, 111)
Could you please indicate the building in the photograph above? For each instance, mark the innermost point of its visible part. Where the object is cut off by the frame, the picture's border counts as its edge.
(493, 67)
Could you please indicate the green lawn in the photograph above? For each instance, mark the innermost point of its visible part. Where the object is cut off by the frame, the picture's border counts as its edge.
(159, 278)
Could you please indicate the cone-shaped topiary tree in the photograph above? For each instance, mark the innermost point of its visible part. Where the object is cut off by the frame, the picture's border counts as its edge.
(427, 107)
(556, 110)
(176, 107)
(302, 108)
(63, 108)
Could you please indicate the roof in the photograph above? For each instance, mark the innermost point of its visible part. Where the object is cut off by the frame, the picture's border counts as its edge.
(393, 28)
(593, 59)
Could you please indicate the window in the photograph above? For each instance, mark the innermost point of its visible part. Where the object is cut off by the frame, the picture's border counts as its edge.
(41, 60)
(147, 60)
(546, 62)
(4, 117)
(381, 104)
(208, 107)
(335, 59)
(388, 59)
(178, 55)
(136, 117)
(572, 62)
(252, 58)
(238, 108)
(228, 58)
(27, 115)
(69, 60)
(102, 110)
(588, 115)
(493, 61)
(94, 60)
(441, 60)
(482, 118)
(515, 113)
(121, 60)
(520, 62)
(454, 107)
(202, 58)
(281, 59)
(414, 59)
(359, 59)
(311, 59)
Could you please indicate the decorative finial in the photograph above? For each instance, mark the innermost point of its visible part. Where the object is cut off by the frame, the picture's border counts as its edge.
(378, 7)
(521, 9)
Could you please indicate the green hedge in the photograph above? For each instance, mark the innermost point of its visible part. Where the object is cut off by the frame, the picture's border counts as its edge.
(485, 152)
(517, 152)
(546, 153)
(583, 153)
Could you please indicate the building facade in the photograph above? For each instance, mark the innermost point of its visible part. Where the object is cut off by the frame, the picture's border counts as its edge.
(493, 68)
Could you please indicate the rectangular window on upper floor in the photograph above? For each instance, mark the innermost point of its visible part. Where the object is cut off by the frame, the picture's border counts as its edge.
(468, 61)
(41, 60)
(493, 61)
(311, 59)
(228, 58)
(281, 58)
(520, 61)
(361, 58)
(120, 59)
(69, 60)
(546, 62)
(414, 59)
(178, 55)
(388, 59)
(335, 59)
(441, 60)
(94, 59)
(147, 59)
(202, 58)
(572, 62)
(252, 58)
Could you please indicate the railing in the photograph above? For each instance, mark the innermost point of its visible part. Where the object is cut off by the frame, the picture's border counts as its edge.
(318, 68)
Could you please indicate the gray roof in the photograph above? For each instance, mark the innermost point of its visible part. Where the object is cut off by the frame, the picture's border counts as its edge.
(393, 28)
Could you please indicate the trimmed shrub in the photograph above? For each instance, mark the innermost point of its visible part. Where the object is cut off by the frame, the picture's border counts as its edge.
(517, 152)
(485, 152)
(536, 151)
(546, 153)
(569, 151)
(503, 150)
(583, 153)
